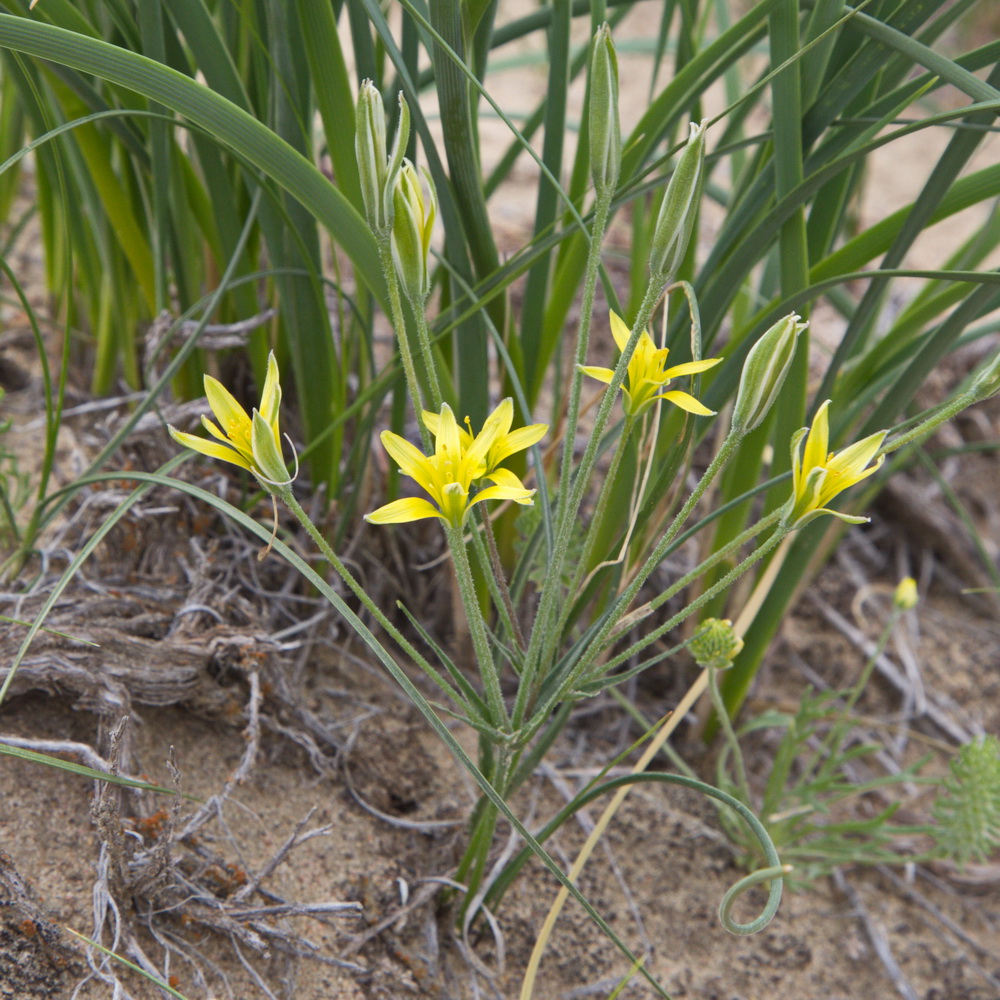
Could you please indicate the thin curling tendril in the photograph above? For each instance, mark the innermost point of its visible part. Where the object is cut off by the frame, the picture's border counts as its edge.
(773, 872)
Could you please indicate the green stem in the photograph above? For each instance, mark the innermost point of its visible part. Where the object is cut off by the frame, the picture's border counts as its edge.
(505, 603)
(717, 587)
(525, 694)
(593, 530)
(730, 734)
(569, 507)
(602, 211)
(402, 338)
(427, 355)
(286, 496)
(578, 675)
(477, 629)
(723, 455)
(934, 421)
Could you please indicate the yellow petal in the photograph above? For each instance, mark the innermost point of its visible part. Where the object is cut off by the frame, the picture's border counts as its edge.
(504, 477)
(687, 402)
(691, 367)
(620, 331)
(210, 448)
(504, 493)
(431, 421)
(271, 396)
(448, 437)
(601, 374)
(407, 509)
(523, 437)
(411, 460)
(233, 419)
(817, 449)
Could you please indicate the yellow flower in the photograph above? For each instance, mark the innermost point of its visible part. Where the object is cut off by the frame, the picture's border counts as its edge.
(647, 375)
(459, 460)
(819, 474)
(252, 443)
(505, 441)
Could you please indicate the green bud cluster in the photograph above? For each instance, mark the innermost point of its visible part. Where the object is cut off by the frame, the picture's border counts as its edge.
(378, 171)
(716, 645)
(412, 228)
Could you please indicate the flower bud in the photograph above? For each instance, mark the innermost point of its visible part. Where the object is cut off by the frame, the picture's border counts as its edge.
(987, 382)
(679, 209)
(605, 127)
(764, 372)
(412, 228)
(376, 170)
(905, 598)
(716, 645)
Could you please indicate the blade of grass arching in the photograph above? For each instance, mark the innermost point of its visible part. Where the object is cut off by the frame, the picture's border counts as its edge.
(967, 257)
(228, 123)
(916, 52)
(332, 91)
(864, 62)
(961, 147)
(546, 207)
(263, 532)
(34, 757)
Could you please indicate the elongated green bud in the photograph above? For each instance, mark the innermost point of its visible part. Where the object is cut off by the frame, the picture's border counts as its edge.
(679, 209)
(987, 382)
(376, 169)
(605, 127)
(764, 372)
(412, 228)
(716, 644)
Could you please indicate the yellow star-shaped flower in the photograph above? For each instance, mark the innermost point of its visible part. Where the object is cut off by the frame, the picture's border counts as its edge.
(818, 475)
(648, 374)
(459, 460)
(251, 442)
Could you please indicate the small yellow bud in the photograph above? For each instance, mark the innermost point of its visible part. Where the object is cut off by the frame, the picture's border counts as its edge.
(716, 645)
(906, 596)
